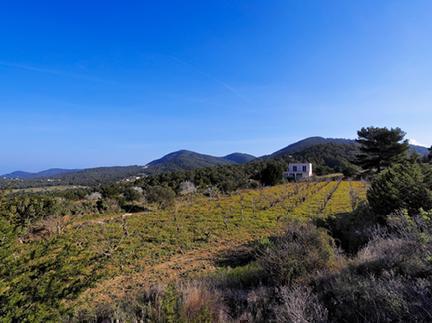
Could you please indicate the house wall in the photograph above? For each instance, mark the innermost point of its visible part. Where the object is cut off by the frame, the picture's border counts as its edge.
(299, 169)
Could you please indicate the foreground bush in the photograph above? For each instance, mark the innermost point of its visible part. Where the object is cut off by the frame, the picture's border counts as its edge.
(299, 304)
(390, 278)
(298, 254)
(355, 298)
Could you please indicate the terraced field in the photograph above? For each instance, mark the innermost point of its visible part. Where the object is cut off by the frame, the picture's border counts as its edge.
(102, 259)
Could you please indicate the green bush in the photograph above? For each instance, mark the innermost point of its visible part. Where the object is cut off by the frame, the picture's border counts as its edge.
(272, 173)
(163, 196)
(401, 186)
(132, 194)
(22, 210)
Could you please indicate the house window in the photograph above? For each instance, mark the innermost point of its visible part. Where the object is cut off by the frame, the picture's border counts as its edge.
(304, 169)
(294, 168)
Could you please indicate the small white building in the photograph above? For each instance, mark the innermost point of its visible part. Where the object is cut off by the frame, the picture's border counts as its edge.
(299, 170)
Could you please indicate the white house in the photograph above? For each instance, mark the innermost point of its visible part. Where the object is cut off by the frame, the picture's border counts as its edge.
(299, 170)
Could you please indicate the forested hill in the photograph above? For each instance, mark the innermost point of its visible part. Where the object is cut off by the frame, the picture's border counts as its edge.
(310, 142)
(189, 160)
(240, 158)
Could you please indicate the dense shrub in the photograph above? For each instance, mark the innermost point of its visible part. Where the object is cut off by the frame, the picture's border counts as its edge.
(22, 210)
(401, 186)
(427, 172)
(298, 254)
(163, 196)
(403, 247)
(355, 298)
(390, 278)
(111, 190)
(132, 194)
(400, 256)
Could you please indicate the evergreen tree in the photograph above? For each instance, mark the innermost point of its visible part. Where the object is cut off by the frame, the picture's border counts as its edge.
(272, 173)
(381, 147)
(402, 186)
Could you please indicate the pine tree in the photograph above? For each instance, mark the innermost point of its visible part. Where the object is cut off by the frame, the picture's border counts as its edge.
(381, 147)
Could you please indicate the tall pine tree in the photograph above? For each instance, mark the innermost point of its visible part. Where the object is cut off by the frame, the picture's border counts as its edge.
(381, 147)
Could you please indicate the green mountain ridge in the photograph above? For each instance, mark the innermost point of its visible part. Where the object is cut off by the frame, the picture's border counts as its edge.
(53, 172)
(309, 142)
(190, 160)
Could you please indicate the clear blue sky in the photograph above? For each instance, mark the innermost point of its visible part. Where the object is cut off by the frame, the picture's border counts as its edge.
(92, 83)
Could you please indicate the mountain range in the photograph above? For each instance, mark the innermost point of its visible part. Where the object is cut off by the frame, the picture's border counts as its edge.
(183, 160)
(53, 172)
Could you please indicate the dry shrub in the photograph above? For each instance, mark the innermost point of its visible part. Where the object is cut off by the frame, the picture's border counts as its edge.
(257, 305)
(404, 257)
(350, 297)
(389, 280)
(299, 305)
(403, 247)
(200, 302)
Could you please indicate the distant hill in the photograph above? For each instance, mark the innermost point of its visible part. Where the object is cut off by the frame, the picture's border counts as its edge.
(310, 142)
(185, 160)
(239, 158)
(53, 172)
(423, 151)
(314, 141)
(92, 176)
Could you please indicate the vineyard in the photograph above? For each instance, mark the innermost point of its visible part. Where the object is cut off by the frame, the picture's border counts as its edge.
(106, 256)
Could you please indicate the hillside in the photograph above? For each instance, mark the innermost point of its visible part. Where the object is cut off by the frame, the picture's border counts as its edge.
(186, 160)
(314, 141)
(310, 142)
(84, 177)
(239, 158)
(423, 151)
(92, 176)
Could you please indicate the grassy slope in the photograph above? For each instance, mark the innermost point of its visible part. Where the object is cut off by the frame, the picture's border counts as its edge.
(101, 259)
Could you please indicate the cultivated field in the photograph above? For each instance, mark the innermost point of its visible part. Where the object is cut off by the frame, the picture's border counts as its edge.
(100, 259)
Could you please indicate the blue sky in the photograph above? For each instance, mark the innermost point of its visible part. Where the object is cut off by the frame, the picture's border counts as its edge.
(92, 83)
